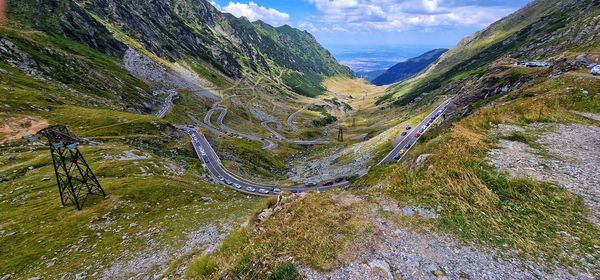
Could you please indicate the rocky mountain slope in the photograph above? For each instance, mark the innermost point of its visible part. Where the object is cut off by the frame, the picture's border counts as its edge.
(409, 68)
(541, 30)
(190, 32)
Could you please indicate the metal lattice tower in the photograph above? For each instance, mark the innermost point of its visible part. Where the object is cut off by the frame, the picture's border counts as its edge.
(341, 134)
(75, 178)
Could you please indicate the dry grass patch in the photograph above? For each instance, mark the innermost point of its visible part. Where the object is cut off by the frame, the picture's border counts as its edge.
(320, 231)
(536, 219)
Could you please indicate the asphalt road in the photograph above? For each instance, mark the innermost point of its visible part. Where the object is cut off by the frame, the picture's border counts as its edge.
(280, 137)
(414, 134)
(206, 153)
(267, 144)
(166, 106)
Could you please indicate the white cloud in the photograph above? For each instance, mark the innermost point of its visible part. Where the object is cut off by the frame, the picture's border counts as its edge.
(253, 12)
(400, 15)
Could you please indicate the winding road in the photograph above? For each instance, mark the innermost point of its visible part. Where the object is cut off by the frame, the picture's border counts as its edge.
(210, 158)
(279, 137)
(166, 106)
(212, 161)
(267, 144)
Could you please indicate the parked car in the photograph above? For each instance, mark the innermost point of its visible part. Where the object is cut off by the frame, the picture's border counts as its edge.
(330, 183)
(276, 190)
(339, 180)
(250, 189)
(408, 128)
(311, 184)
(263, 191)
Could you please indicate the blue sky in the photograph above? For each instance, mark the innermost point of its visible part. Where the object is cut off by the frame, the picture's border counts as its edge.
(378, 22)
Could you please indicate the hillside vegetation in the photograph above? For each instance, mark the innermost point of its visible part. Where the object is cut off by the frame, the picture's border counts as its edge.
(541, 30)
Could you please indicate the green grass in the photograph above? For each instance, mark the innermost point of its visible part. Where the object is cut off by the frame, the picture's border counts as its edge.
(318, 231)
(109, 228)
(482, 205)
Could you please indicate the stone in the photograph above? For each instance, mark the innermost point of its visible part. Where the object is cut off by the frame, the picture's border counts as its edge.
(422, 158)
(31, 168)
(6, 277)
(264, 215)
(382, 267)
(205, 199)
(80, 276)
(45, 179)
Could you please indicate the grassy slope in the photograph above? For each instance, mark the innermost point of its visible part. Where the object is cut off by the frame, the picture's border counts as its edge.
(315, 231)
(514, 36)
(150, 199)
(479, 203)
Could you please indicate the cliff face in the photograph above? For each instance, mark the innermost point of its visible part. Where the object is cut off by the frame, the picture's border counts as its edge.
(176, 30)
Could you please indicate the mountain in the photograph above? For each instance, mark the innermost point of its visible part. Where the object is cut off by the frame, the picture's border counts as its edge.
(369, 75)
(192, 33)
(409, 68)
(539, 31)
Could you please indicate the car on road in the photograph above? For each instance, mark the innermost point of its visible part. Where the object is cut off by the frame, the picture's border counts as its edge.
(408, 146)
(250, 189)
(221, 178)
(404, 133)
(408, 128)
(276, 190)
(296, 191)
(191, 126)
(418, 135)
(228, 182)
(237, 186)
(263, 191)
(311, 184)
(398, 157)
(339, 180)
(330, 183)
(205, 158)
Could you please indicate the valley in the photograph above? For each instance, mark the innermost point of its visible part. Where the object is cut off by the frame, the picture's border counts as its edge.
(233, 149)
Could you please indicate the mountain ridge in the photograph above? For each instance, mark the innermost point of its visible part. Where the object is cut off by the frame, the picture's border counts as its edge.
(178, 30)
(408, 68)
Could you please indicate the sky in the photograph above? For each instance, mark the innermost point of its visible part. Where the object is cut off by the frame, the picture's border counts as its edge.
(438, 23)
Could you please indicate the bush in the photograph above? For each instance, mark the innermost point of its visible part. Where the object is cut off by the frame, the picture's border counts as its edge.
(202, 267)
(285, 271)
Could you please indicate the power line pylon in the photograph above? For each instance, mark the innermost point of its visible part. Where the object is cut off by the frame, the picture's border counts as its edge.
(75, 178)
(341, 134)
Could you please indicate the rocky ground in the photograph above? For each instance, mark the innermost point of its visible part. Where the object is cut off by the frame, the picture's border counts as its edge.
(397, 252)
(570, 157)
(156, 258)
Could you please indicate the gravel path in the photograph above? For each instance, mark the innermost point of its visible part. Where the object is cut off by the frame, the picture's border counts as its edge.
(400, 253)
(576, 166)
